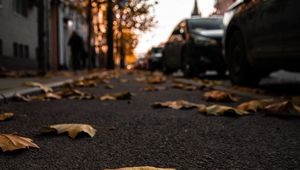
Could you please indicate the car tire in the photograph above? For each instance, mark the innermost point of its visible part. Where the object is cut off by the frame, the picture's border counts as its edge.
(241, 73)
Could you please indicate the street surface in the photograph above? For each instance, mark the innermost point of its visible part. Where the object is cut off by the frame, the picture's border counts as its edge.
(132, 133)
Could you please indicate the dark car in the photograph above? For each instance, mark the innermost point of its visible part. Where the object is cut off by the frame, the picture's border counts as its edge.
(261, 36)
(155, 58)
(195, 46)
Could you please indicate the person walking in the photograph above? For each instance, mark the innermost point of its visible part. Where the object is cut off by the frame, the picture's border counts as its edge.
(77, 50)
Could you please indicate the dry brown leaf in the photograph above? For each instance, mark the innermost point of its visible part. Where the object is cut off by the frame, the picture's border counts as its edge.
(124, 80)
(153, 88)
(5, 116)
(109, 86)
(219, 110)
(20, 97)
(255, 105)
(285, 108)
(85, 83)
(179, 104)
(142, 168)
(44, 88)
(219, 96)
(72, 129)
(184, 86)
(74, 94)
(117, 96)
(10, 142)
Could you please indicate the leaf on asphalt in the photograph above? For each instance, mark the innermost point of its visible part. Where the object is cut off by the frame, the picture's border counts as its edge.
(219, 96)
(109, 86)
(142, 168)
(219, 110)
(5, 116)
(10, 142)
(153, 88)
(123, 80)
(156, 79)
(184, 86)
(116, 96)
(85, 83)
(44, 88)
(285, 108)
(74, 94)
(255, 105)
(20, 97)
(72, 129)
(179, 104)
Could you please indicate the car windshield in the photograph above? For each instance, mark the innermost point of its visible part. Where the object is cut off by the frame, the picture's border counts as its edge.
(205, 24)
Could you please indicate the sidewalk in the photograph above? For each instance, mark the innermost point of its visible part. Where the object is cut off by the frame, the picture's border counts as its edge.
(10, 86)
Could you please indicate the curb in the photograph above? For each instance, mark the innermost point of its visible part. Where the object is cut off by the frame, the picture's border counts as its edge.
(29, 90)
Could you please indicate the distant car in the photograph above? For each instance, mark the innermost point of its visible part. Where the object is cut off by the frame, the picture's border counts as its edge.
(195, 46)
(155, 58)
(261, 36)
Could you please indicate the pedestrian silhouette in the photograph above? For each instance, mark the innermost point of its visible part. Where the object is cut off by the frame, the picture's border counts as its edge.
(77, 50)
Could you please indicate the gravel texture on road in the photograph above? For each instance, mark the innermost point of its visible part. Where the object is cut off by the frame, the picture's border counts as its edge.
(132, 133)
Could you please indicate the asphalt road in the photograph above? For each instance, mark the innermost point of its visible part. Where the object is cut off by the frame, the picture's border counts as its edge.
(132, 133)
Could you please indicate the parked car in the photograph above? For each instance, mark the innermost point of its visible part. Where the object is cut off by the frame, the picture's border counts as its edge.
(261, 36)
(195, 46)
(155, 58)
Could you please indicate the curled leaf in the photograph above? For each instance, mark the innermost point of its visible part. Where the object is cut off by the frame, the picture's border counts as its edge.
(72, 129)
(153, 88)
(219, 110)
(85, 83)
(5, 116)
(285, 108)
(255, 105)
(179, 104)
(20, 97)
(219, 96)
(117, 96)
(44, 88)
(124, 80)
(142, 168)
(10, 142)
(184, 86)
(74, 94)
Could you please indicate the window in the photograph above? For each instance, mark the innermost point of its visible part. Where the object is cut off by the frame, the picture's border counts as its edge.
(21, 7)
(15, 48)
(1, 48)
(20, 51)
(26, 51)
(1, 4)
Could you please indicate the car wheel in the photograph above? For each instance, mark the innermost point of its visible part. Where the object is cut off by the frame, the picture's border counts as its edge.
(241, 73)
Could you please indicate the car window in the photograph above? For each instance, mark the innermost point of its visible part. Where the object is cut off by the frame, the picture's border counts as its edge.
(205, 24)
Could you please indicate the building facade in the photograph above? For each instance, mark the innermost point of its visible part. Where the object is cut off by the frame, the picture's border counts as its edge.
(18, 34)
(221, 6)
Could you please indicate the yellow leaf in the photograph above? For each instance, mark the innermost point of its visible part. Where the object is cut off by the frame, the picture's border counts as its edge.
(117, 96)
(74, 94)
(142, 168)
(184, 86)
(255, 105)
(45, 88)
(153, 88)
(219, 110)
(285, 108)
(219, 96)
(20, 97)
(10, 142)
(5, 116)
(124, 80)
(179, 104)
(72, 129)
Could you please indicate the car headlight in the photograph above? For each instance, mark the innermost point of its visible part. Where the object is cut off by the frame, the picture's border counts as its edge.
(204, 41)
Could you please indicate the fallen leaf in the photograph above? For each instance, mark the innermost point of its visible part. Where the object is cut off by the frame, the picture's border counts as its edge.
(10, 142)
(75, 94)
(85, 83)
(255, 105)
(124, 80)
(44, 88)
(20, 97)
(142, 168)
(72, 129)
(179, 104)
(109, 86)
(153, 88)
(285, 108)
(116, 96)
(219, 110)
(5, 116)
(184, 86)
(219, 96)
